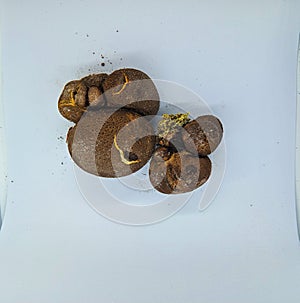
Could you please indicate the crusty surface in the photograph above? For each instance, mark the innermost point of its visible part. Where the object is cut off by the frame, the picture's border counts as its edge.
(111, 137)
(99, 138)
(179, 173)
(132, 89)
(128, 88)
(73, 100)
(203, 135)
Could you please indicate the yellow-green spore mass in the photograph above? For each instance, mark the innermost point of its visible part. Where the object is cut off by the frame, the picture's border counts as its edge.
(171, 123)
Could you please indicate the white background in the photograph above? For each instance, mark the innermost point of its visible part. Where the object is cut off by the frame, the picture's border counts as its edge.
(240, 56)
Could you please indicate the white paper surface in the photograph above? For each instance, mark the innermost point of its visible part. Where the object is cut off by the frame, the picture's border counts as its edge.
(3, 168)
(240, 56)
(297, 164)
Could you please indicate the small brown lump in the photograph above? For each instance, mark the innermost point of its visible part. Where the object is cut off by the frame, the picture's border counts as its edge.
(179, 172)
(94, 94)
(75, 97)
(203, 135)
